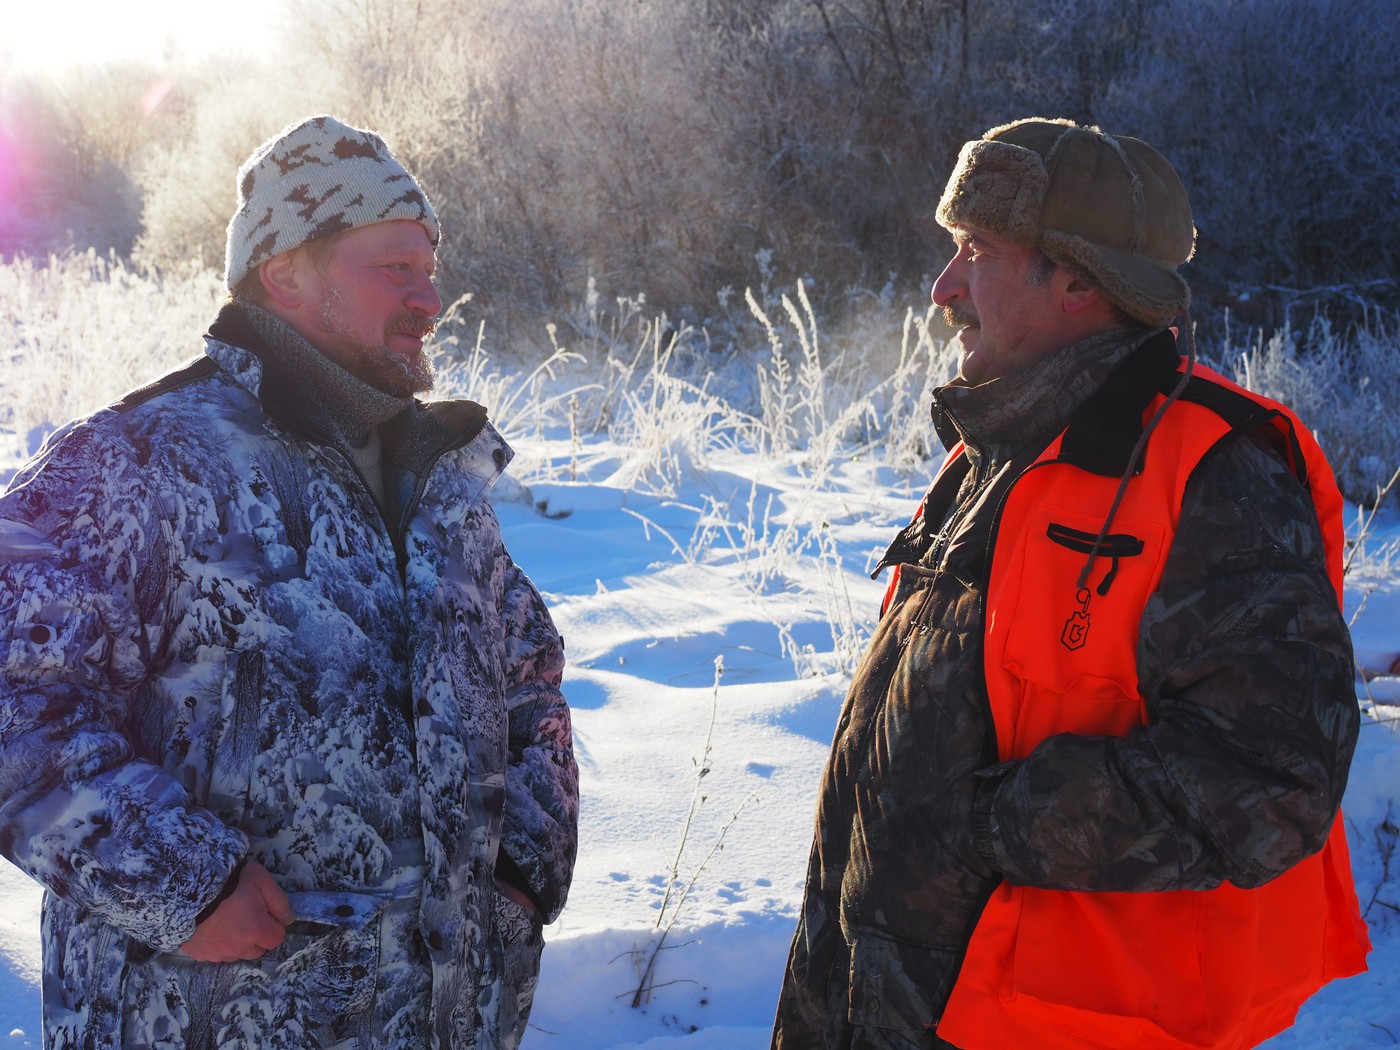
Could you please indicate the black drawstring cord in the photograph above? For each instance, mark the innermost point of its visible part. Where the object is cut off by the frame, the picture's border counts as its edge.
(1136, 455)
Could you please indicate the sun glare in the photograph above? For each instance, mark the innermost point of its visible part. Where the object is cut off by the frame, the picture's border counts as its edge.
(56, 36)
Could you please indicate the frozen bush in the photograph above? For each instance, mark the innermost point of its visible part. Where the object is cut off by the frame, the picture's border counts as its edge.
(1344, 385)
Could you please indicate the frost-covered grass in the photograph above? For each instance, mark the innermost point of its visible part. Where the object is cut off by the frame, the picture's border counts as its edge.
(684, 495)
(77, 331)
(758, 374)
(1345, 385)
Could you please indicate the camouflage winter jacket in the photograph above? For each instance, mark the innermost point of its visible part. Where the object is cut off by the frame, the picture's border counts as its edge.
(1244, 614)
(213, 644)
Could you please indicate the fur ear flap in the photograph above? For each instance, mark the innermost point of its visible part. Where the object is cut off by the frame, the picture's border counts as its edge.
(1111, 208)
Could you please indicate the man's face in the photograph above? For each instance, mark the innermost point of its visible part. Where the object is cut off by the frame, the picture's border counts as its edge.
(1008, 316)
(374, 304)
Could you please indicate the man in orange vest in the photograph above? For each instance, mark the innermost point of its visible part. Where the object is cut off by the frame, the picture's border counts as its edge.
(1084, 789)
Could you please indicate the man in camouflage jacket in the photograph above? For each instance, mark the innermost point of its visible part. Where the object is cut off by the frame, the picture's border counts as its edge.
(281, 730)
(1065, 276)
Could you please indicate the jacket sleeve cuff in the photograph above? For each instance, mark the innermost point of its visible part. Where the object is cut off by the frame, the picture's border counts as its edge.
(984, 826)
(230, 884)
(509, 872)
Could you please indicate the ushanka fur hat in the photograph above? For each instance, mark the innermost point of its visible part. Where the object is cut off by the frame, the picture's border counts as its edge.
(1108, 207)
(313, 179)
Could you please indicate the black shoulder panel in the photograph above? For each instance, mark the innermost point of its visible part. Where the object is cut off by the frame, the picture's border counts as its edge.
(1103, 431)
(1243, 414)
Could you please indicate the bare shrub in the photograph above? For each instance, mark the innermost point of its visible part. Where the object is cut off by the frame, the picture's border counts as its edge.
(1344, 385)
(71, 146)
(655, 147)
(189, 184)
(1281, 116)
(568, 142)
(85, 328)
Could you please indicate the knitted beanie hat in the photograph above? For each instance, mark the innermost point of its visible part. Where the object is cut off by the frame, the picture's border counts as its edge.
(312, 179)
(1108, 207)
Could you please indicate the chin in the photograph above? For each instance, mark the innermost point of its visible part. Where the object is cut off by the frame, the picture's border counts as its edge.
(396, 374)
(970, 366)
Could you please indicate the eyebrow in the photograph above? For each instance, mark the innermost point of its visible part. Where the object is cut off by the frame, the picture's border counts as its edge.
(393, 258)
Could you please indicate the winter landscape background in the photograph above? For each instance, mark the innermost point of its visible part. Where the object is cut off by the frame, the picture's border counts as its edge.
(689, 252)
(702, 529)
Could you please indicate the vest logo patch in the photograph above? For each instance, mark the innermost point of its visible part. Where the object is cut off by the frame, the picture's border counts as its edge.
(1076, 630)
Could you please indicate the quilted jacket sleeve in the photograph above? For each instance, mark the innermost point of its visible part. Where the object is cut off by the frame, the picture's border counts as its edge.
(83, 564)
(1245, 663)
(540, 835)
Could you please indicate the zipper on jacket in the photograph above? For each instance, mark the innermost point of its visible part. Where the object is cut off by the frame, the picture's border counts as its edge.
(396, 531)
(344, 453)
(981, 475)
(398, 535)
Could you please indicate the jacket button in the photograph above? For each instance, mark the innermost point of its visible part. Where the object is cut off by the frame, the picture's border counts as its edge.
(424, 708)
(359, 973)
(872, 1005)
(344, 910)
(40, 634)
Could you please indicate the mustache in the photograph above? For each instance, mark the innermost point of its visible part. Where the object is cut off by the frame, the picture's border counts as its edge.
(414, 323)
(955, 318)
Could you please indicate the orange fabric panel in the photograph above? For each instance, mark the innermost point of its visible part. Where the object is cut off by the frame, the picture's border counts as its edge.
(1224, 968)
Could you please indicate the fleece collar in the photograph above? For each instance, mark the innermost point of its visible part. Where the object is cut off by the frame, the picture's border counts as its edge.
(413, 437)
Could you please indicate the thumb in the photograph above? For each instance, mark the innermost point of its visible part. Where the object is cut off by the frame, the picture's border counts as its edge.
(274, 900)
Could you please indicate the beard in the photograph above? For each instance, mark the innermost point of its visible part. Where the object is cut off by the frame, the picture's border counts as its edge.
(398, 375)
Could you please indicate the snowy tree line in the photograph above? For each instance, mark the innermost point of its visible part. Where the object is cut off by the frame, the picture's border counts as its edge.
(598, 160)
(658, 145)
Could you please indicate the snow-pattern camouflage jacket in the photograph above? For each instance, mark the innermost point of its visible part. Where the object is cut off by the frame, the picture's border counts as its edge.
(213, 646)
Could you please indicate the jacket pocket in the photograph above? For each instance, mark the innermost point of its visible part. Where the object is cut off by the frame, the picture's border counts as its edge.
(895, 984)
(1112, 546)
(329, 960)
(54, 636)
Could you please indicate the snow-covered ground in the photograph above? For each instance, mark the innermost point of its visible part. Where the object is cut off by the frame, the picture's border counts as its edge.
(700, 633)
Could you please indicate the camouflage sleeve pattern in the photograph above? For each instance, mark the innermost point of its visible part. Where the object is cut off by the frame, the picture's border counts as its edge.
(81, 607)
(1245, 664)
(540, 832)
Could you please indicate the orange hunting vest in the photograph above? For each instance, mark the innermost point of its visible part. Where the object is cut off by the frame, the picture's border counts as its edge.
(1056, 970)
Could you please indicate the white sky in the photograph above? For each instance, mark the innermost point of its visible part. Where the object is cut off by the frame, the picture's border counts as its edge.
(57, 35)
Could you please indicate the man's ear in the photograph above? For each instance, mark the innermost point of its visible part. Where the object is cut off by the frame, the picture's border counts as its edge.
(283, 278)
(1079, 295)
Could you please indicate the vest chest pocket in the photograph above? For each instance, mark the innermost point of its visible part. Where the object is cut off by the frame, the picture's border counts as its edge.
(1067, 637)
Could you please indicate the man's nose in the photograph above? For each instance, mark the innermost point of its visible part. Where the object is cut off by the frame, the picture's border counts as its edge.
(951, 284)
(423, 295)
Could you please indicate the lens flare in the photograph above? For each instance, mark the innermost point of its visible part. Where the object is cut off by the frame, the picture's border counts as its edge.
(12, 162)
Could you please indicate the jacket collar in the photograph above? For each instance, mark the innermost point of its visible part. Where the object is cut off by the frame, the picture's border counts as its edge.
(1001, 417)
(414, 433)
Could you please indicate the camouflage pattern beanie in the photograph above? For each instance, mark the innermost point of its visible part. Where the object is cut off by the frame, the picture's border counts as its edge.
(313, 179)
(1108, 207)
